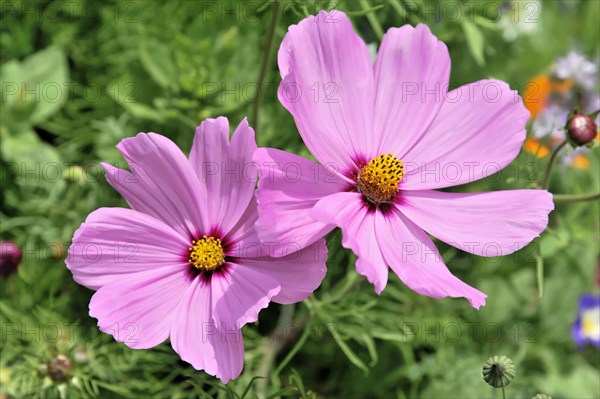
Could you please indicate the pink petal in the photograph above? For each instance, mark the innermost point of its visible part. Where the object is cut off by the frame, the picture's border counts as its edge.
(479, 130)
(138, 310)
(411, 73)
(114, 243)
(243, 235)
(288, 189)
(140, 197)
(414, 258)
(225, 169)
(328, 87)
(164, 172)
(240, 293)
(298, 274)
(283, 56)
(487, 224)
(200, 341)
(243, 240)
(298, 270)
(229, 351)
(349, 212)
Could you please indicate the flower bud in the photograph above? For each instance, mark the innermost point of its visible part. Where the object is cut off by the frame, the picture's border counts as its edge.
(10, 257)
(541, 396)
(59, 367)
(57, 250)
(581, 129)
(74, 174)
(80, 355)
(5, 376)
(498, 371)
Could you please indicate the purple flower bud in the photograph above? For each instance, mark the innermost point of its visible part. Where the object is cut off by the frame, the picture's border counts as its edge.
(581, 129)
(10, 257)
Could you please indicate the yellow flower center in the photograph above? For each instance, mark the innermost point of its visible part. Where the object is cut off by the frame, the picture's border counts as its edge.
(378, 180)
(206, 254)
(590, 323)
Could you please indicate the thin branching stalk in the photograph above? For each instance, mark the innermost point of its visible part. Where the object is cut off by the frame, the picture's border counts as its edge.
(546, 180)
(575, 197)
(265, 62)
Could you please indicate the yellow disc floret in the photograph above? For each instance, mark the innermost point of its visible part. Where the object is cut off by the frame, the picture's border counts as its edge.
(206, 254)
(378, 180)
(590, 326)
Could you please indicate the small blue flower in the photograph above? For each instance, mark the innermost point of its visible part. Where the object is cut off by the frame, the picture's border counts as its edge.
(587, 326)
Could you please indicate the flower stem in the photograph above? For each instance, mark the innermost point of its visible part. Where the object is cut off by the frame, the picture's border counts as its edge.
(265, 62)
(290, 355)
(503, 392)
(372, 18)
(546, 180)
(575, 197)
(272, 347)
(539, 266)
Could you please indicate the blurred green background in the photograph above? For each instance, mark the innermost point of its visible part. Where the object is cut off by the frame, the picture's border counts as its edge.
(78, 76)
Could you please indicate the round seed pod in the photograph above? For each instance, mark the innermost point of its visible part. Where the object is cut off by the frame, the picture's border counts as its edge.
(59, 367)
(581, 129)
(499, 371)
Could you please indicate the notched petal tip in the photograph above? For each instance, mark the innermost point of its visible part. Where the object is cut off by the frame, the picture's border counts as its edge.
(216, 125)
(477, 301)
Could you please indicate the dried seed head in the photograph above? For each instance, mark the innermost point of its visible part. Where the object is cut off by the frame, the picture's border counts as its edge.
(59, 367)
(499, 371)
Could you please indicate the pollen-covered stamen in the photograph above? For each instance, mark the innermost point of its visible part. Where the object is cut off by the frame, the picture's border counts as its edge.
(378, 180)
(206, 254)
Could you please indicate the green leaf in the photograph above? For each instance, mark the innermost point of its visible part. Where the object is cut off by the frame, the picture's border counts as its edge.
(26, 145)
(475, 41)
(48, 68)
(157, 60)
(35, 89)
(142, 111)
(301, 342)
(370, 344)
(353, 357)
(249, 386)
(11, 73)
(287, 391)
(486, 23)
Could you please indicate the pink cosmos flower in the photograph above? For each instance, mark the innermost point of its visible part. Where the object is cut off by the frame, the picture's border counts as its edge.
(386, 135)
(185, 262)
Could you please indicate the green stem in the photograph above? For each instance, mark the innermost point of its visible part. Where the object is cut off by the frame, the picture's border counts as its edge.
(270, 349)
(265, 62)
(539, 265)
(372, 18)
(187, 121)
(546, 180)
(575, 198)
(348, 284)
(290, 355)
(396, 5)
(503, 393)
